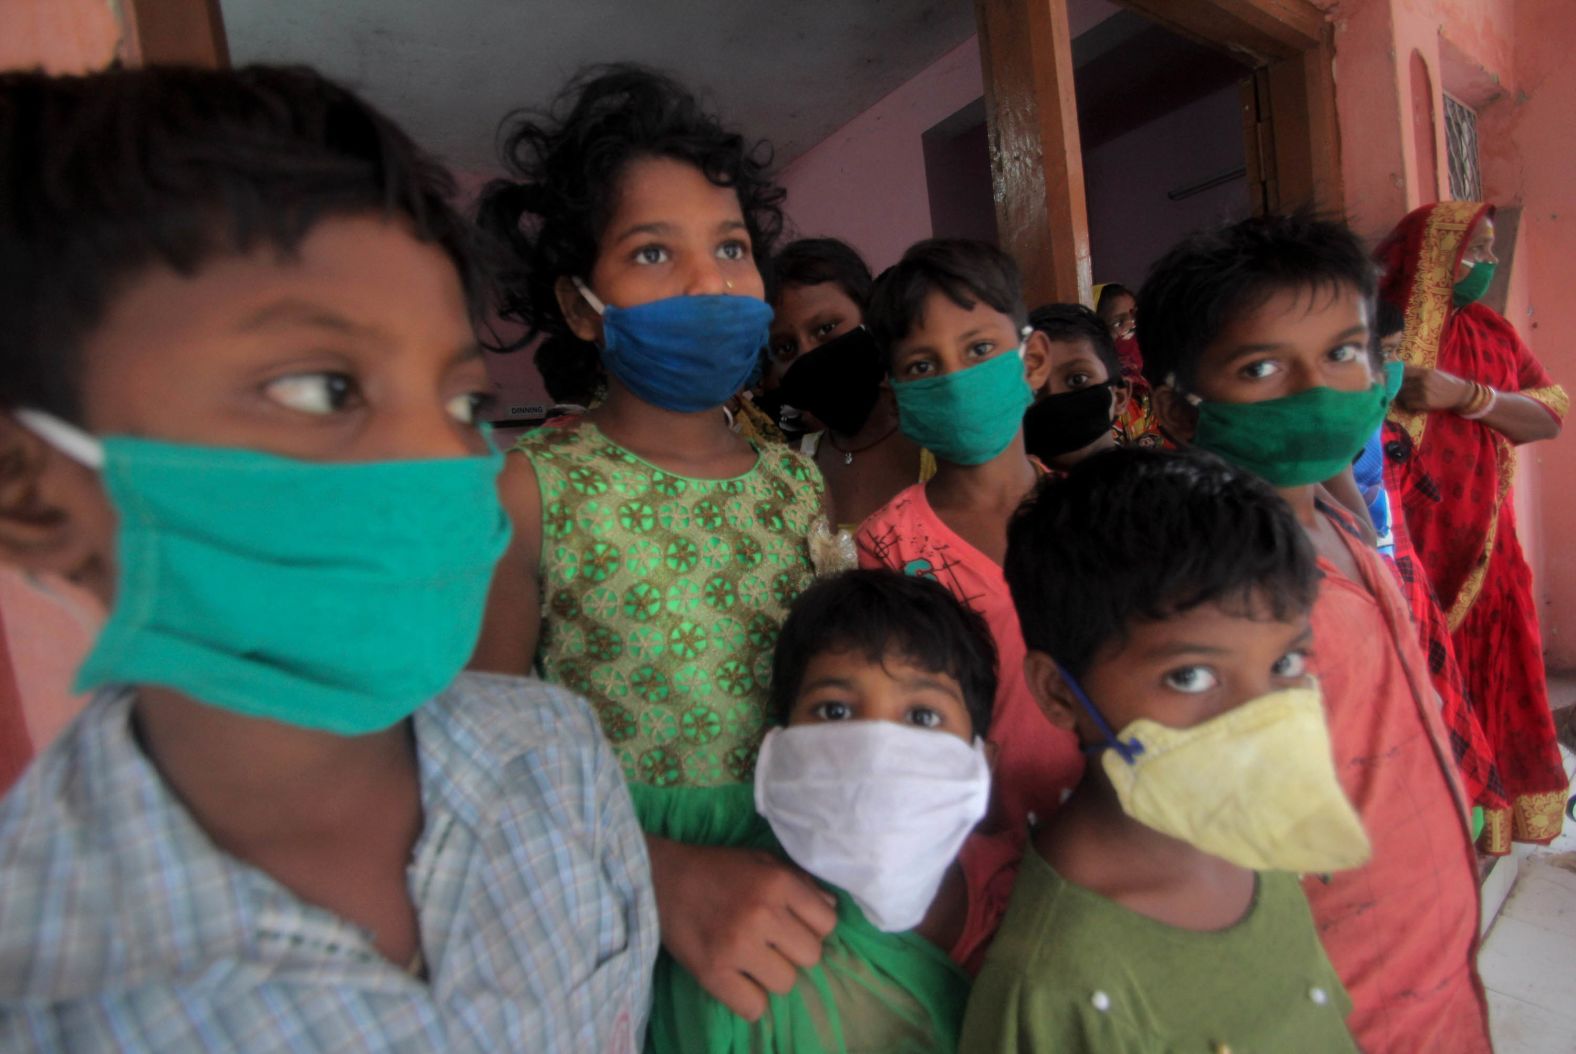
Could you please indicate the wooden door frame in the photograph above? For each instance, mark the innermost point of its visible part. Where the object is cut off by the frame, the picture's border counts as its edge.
(175, 32)
(1293, 157)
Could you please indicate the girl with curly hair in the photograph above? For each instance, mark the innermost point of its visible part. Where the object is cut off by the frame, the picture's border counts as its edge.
(656, 551)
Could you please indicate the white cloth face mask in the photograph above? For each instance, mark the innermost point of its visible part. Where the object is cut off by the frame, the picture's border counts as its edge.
(877, 809)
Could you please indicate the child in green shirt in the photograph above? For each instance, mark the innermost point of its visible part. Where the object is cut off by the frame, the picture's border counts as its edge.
(1164, 599)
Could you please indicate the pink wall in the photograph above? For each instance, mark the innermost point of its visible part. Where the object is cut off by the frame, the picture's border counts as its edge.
(865, 183)
(1531, 160)
(1510, 59)
(1131, 221)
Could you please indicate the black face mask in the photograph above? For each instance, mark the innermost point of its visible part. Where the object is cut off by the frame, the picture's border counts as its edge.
(839, 382)
(1059, 424)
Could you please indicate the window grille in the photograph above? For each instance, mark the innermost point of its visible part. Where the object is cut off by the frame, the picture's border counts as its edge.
(1461, 147)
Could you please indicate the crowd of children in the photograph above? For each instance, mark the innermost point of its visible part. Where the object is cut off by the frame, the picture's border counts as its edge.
(403, 742)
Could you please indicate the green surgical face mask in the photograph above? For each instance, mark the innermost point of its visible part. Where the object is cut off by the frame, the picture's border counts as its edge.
(1299, 439)
(1471, 288)
(970, 416)
(334, 596)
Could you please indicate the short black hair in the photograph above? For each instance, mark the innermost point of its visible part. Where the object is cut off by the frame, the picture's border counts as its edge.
(105, 175)
(816, 261)
(571, 369)
(1074, 322)
(1139, 534)
(568, 163)
(1210, 277)
(879, 613)
(968, 272)
(1388, 320)
(1110, 291)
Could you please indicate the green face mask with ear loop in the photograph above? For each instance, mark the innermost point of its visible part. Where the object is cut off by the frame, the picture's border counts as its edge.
(1471, 288)
(1298, 439)
(970, 416)
(337, 596)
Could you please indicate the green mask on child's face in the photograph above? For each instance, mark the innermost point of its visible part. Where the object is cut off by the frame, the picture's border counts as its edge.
(1471, 288)
(970, 416)
(333, 596)
(1298, 439)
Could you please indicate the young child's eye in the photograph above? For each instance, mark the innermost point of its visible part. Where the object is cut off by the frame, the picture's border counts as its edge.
(923, 717)
(981, 350)
(784, 350)
(1079, 380)
(312, 393)
(1257, 371)
(1193, 680)
(917, 368)
(651, 254)
(1292, 664)
(468, 409)
(734, 250)
(833, 711)
(1347, 353)
(825, 329)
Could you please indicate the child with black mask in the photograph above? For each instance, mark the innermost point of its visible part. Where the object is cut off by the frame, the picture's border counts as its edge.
(1077, 410)
(826, 366)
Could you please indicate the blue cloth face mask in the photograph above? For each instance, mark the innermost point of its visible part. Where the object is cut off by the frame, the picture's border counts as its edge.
(337, 596)
(685, 353)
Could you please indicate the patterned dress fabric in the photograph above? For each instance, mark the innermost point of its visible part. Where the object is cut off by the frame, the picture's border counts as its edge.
(1461, 514)
(662, 596)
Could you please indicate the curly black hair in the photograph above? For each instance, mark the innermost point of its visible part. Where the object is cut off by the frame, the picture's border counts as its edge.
(568, 160)
(106, 175)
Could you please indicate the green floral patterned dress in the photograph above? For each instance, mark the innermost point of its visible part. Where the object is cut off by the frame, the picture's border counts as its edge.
(662, 596)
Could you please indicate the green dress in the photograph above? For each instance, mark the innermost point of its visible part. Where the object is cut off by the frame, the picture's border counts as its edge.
(1073, 971)
(662, 596)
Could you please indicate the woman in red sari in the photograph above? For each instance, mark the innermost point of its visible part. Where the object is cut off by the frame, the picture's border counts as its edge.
(1472, 394)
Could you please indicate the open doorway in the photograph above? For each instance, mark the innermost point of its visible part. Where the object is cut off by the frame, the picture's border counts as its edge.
(1164, 151)
(1160, 122)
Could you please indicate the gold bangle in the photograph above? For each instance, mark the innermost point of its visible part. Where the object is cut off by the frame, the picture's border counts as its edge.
(1475, 400)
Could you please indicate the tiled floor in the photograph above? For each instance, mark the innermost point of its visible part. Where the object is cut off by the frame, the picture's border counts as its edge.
(1528, 960)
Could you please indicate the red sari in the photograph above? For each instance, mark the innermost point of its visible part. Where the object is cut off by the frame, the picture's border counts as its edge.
(1460, 514)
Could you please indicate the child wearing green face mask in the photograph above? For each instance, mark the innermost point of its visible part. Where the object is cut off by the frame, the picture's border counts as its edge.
(240, 405)
(1164, 599)
(964, 366)
(1257, 342)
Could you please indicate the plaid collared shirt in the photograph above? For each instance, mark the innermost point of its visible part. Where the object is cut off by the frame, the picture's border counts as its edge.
(122, 927)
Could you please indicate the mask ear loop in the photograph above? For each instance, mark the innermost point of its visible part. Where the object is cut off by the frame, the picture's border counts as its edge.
(1128, 750)
(68, 439)
(1191, 399)
(590, 297)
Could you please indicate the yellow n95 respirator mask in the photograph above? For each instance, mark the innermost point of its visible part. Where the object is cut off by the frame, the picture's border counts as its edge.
(1255, 785)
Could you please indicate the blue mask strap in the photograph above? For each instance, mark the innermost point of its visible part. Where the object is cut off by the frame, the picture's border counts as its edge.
(1128, 750)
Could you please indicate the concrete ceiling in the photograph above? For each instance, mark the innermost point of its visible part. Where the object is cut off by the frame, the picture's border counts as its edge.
(449, 70)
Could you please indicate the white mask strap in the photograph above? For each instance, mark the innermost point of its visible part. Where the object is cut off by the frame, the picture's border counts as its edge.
(591, 298)
(1189, 397)
(66, 438)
